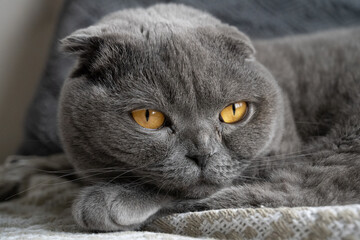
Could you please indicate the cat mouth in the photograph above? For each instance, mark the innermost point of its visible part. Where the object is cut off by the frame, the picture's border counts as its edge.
(203, 187)
(203, 180)
(212, 181)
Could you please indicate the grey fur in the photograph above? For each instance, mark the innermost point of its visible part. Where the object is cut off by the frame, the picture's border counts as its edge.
(298, 145)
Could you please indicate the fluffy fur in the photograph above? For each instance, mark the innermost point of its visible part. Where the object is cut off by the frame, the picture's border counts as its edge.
(298, 145)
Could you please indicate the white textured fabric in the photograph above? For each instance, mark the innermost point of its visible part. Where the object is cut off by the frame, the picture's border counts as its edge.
(43, 212)
(336, 222)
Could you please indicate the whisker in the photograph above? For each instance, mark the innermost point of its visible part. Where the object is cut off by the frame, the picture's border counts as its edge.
(128, 171)
(312, 123)
(50, 184)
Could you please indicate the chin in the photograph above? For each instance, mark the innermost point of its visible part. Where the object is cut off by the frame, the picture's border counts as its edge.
(201, 190)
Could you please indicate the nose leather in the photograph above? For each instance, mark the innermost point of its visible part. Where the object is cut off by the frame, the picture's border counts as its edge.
(201, 148)
(200, 142)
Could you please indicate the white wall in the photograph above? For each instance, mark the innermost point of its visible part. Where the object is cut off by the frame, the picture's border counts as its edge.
(26, 28)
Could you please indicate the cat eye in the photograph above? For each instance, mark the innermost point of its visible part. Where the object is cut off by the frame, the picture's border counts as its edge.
(234, 112)
(148, 118)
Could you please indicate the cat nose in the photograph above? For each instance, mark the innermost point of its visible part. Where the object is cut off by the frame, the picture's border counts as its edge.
(200, 160)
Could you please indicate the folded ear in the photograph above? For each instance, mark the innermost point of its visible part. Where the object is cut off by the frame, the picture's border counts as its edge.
(81, 41)
(231, 40)
(238, 42)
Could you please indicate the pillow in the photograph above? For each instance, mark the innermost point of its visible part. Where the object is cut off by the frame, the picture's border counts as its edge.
(259, 19)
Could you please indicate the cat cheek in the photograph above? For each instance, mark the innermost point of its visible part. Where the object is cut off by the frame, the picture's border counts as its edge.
(244, 143)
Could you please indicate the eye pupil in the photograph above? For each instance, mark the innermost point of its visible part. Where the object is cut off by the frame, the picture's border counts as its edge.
(233, 112)
(142, 117)
(147, 115)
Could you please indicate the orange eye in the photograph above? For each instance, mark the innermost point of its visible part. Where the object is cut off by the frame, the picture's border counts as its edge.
(148, 118)
(234, 112)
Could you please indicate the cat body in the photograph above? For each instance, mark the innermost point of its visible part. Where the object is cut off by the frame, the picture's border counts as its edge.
(297, 144)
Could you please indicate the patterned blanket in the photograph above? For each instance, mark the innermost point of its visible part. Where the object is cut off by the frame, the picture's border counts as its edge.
(43, 212)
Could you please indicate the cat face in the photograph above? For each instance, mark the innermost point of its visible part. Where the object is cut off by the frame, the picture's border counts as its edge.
(188, 76)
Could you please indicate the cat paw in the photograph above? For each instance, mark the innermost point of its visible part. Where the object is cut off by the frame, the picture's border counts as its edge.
(113, 208)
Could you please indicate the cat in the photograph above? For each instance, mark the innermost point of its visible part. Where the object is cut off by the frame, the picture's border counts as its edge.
(170, 110)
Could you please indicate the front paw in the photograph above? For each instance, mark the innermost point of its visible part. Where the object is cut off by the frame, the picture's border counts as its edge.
(113, 208)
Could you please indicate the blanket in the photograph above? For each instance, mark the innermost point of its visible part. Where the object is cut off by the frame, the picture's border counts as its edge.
(43, 211)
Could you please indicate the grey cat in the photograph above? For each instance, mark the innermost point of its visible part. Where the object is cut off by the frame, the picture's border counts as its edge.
(170, 110)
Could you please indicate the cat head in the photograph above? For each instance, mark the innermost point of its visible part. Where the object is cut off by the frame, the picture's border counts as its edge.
(211, 106)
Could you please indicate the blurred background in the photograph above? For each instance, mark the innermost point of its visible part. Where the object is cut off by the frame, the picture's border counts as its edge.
(26, 30)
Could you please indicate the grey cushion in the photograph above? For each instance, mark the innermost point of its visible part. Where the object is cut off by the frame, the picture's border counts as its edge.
(257, 18)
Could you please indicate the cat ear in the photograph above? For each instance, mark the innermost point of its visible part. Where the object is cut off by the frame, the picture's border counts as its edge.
(81, 41)
(236, 42)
